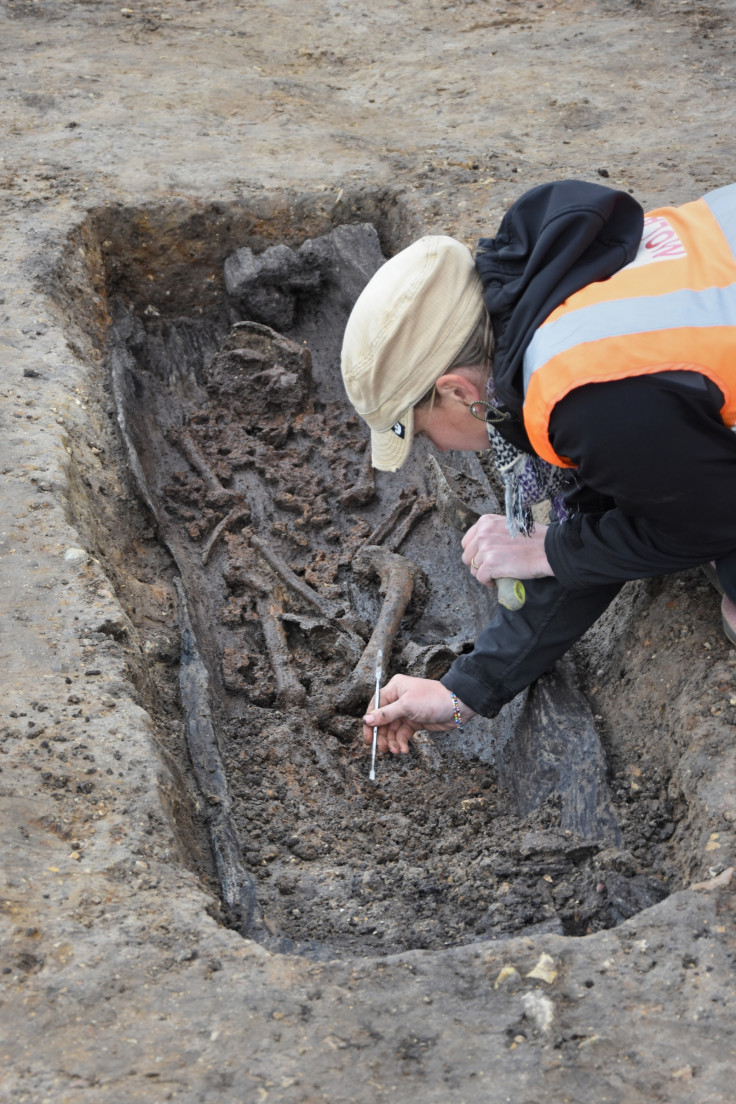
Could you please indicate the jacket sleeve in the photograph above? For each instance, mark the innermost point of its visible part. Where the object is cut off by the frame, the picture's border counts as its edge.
(517, 647)
(657, 452)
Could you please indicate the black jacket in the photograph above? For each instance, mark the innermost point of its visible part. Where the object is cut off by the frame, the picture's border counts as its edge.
(554, 240)
(653, 449)
(654, 490)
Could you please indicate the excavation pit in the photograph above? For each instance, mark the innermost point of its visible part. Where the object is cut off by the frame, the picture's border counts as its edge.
(273, 554)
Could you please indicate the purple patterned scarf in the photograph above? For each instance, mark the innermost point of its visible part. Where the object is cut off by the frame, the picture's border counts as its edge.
(527, 480)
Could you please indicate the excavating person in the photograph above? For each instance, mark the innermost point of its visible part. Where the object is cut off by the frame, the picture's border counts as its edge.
(594, 349)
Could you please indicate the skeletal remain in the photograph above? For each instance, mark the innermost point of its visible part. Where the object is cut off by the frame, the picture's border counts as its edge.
(717, 882)
(426, 751)
(428, 660)
(351, 641)
(325, 607)
(226, 523)
(398, 577)
(364, 491)
(421, 507)
(200, 463)
(289, 690)
(406, 499)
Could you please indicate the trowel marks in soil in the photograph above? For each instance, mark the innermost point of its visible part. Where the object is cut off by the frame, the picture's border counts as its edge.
(291, 551)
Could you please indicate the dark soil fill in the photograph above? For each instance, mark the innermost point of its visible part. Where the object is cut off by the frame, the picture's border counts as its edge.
(290, 552)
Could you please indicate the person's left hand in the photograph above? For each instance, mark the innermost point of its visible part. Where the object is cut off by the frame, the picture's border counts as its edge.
(407, 704)
(492, 553)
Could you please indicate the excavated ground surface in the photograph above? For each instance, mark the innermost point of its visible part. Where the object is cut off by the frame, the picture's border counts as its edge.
(265, 496)
(142, 147)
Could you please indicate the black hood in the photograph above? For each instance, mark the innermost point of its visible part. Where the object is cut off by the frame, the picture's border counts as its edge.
(552, 241)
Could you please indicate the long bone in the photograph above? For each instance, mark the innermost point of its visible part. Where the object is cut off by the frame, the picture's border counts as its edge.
(398, 577)
(289, 690)
(331, 611)
(201, 464)
(326, 608)
(392, 534)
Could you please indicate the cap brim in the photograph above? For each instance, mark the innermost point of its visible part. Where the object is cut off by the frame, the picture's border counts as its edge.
(389, 451)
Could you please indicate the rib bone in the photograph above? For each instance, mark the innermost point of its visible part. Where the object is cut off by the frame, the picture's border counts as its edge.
(421, 507)
(406, 498)
(200, 463)
(234, 515)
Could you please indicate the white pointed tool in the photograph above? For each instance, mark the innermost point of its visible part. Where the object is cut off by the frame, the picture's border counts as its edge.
(379, 665)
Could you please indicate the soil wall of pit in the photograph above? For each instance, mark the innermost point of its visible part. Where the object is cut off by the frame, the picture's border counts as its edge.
(168, 258)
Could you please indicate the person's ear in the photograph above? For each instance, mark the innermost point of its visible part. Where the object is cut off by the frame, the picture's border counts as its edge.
(453, 385)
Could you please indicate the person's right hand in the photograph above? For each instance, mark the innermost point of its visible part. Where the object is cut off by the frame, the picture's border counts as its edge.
(406, 705)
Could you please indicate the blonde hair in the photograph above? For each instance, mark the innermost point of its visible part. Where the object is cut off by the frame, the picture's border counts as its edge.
(477, 352)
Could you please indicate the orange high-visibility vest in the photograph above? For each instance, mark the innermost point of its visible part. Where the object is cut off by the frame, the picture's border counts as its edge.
(673, 307)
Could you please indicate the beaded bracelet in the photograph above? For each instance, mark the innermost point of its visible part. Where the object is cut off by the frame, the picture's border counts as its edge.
(456, 712)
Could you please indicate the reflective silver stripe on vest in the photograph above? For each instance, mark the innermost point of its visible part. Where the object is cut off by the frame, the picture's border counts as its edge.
(722, 204)
(645, 314)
